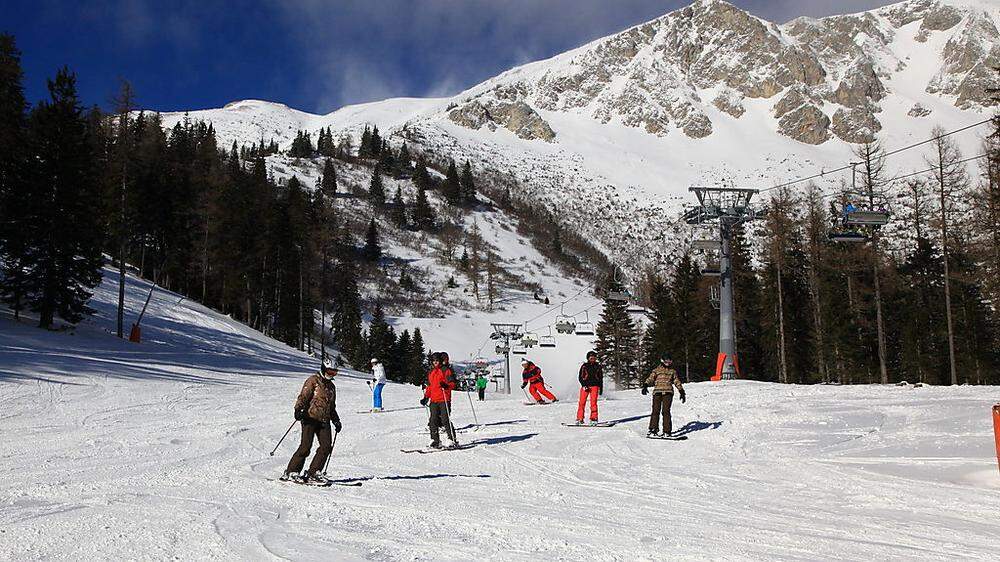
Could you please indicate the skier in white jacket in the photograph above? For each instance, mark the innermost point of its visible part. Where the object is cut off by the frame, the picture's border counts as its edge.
(377, 383)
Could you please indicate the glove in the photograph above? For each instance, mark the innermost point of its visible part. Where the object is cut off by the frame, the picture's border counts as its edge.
(683, 398)
(524, 384)
(645, 391)
(445, 385)
(424, 401)
(300, 414)
(600, 391)
(337, 426)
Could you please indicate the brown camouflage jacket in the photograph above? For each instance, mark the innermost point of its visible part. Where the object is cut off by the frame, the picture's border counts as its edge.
(663, 380)
(319, 399)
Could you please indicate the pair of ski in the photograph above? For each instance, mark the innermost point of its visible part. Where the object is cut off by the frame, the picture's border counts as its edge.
(591, 424)
(326, 484)
(428, 450)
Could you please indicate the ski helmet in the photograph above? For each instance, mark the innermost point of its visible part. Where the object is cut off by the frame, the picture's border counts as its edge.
(591, 354)
(329, 364)
(665, 359)
(374, 360)
(444, 357)
(525, 361)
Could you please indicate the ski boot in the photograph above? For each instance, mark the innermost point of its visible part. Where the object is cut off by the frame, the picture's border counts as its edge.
(651, 433)
(453, 444)
(316, 479)
(593, 423)
(579, 422)
(435, 445)
(289, 477)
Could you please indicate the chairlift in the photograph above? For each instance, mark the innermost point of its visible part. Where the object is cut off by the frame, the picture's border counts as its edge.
(529, 340)
(619, 296)
(565, 324)
(502, 349)
(518, 349)
(707, 244)
(585, 328)
(714, 297)
(547, 341)
(865, 218)
(480, 362)
(711, 270)
(617, 292)
(847, 236)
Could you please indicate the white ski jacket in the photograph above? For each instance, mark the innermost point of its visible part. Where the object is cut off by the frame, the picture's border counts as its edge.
(378, 373)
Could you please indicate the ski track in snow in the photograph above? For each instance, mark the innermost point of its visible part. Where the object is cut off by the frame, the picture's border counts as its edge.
(157, 451)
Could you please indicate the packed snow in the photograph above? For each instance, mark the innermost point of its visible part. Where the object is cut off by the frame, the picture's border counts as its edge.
(114, 450)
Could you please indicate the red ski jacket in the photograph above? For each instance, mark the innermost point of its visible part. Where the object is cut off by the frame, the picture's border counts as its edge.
(449, 377)
(434, 391)
(531, 374)
(592, 374)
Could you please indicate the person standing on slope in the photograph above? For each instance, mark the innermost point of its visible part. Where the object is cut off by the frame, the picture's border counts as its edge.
(315, 408)
(449, 375)
(481, 384)
(436, 399)
(663, 379)
(531, 377)
(377, 384)
(591, 385)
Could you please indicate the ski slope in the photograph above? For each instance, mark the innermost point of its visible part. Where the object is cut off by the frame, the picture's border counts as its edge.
(119, 451)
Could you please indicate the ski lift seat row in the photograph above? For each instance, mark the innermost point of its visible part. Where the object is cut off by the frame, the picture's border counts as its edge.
(847, 236)
(565, 324)
(707, 244)
(547, 341)
(711, 271)
(585, 328)
(866, 218)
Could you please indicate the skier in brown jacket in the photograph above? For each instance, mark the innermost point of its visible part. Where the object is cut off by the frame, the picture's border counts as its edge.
(315, 407)
(663, 379)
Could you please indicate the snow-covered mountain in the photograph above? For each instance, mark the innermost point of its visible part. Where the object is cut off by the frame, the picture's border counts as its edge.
(707, 94)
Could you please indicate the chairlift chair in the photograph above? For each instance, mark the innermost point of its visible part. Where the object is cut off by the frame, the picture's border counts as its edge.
(706, 244)
(866, 218)
(711, 270)
(529, 340)
(518, 349)
(547, 341)
(502, 349)
(565, 324)
(585, 328)
(847, 236)
(619, 296)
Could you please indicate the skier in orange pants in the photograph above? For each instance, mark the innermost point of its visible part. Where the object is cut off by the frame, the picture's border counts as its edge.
(591, 385)
(532, 375)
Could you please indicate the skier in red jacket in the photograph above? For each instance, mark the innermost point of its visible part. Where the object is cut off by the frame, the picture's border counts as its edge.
(532, 375)
(436, 398)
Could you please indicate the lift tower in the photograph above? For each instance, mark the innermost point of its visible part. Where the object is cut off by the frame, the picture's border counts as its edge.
(730, 206)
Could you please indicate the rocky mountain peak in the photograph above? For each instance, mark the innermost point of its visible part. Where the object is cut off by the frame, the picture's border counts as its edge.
(691, 67)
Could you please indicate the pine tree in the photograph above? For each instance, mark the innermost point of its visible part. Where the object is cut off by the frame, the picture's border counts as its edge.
(618, 342)
(376, 190)
(16, 228)
(404, 160)
(346, 319)
(66, 262)
(399, 208)
(423, 213)
(364, 150)
(418, 359)
(381, 336)
(372, 251)
(452, 188)
(328, 181)
(468, 185)
(399, 364)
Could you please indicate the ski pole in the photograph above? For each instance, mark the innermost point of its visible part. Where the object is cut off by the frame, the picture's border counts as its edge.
(474, 416)
(332, 445)
(283, 437)
(525, 394)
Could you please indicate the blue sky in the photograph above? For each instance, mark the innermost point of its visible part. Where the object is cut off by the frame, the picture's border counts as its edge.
(317, 55)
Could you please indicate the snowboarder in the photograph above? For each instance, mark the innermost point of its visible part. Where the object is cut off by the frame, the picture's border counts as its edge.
(663, 379)
(377, 384)
(315, 408)
(591, 385)
(532, 375)
(436, 398)
(481, 384)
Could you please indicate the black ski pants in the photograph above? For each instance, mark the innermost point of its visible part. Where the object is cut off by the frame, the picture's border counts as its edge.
(439, 418)
(312, 429)
(482, 394)
(661, 406)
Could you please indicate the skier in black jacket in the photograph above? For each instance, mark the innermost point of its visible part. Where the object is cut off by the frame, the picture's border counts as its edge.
(591, 385)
